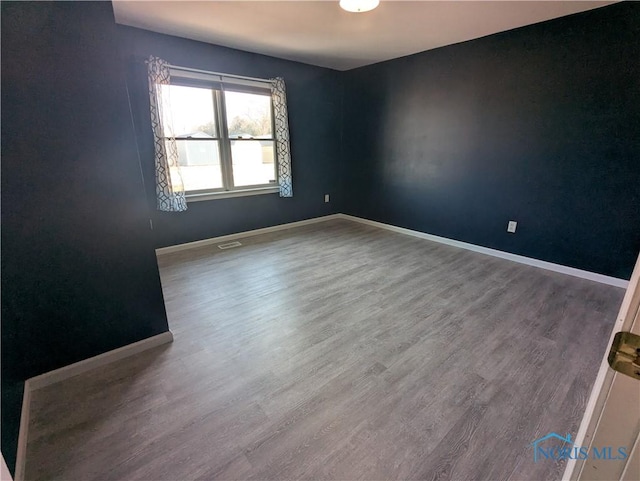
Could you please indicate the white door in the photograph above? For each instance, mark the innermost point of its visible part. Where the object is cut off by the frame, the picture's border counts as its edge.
(612, 417)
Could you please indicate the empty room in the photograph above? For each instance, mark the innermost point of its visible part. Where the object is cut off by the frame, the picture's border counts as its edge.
(320, 240)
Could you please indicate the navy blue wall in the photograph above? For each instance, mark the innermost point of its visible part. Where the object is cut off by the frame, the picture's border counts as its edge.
(79, 273)
(540, 125)
(314, 105)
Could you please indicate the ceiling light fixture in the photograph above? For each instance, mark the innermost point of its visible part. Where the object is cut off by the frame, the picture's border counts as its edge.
(359, 6)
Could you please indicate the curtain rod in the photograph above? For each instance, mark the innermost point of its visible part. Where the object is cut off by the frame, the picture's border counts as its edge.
(241, 77)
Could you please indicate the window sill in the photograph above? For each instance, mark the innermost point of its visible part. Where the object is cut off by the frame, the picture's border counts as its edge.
(231, 193)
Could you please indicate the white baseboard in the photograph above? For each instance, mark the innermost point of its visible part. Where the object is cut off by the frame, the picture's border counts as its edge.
(80, 367)
(572, 271)
(22, 434)
(66, 372)
(217, 240)
(5, 475)
(57, 375)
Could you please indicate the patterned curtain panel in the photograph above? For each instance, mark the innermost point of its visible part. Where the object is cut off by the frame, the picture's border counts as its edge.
(169, 186)
(279, 95)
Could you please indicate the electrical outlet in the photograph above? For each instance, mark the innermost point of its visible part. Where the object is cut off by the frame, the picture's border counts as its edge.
(326, 197)
(512, 226)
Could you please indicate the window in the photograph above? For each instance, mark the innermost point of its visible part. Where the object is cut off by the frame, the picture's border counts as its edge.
(224, 134)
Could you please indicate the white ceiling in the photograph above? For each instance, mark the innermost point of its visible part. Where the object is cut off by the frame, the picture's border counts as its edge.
(321, 33)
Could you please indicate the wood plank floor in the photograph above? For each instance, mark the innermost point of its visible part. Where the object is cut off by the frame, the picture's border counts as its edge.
(336, 351)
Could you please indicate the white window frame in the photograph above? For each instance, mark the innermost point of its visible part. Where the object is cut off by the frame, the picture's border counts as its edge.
(218, 83)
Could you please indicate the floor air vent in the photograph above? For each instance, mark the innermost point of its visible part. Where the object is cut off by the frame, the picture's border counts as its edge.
(229, 245)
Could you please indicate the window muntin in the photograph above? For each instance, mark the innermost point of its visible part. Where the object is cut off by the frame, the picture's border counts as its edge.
(223, 133)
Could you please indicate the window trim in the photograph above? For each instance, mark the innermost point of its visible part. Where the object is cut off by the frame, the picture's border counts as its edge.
(224, 194)
(194, 78)
(197, 74)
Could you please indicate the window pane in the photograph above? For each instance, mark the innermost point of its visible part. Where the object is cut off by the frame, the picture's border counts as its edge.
(248, 115)
(199, 162)
(191, 110)
(253, 162)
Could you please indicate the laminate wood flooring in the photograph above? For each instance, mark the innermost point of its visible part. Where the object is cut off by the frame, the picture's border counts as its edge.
(336, 351)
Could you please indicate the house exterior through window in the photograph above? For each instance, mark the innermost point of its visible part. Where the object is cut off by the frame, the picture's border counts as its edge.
(224, 133)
